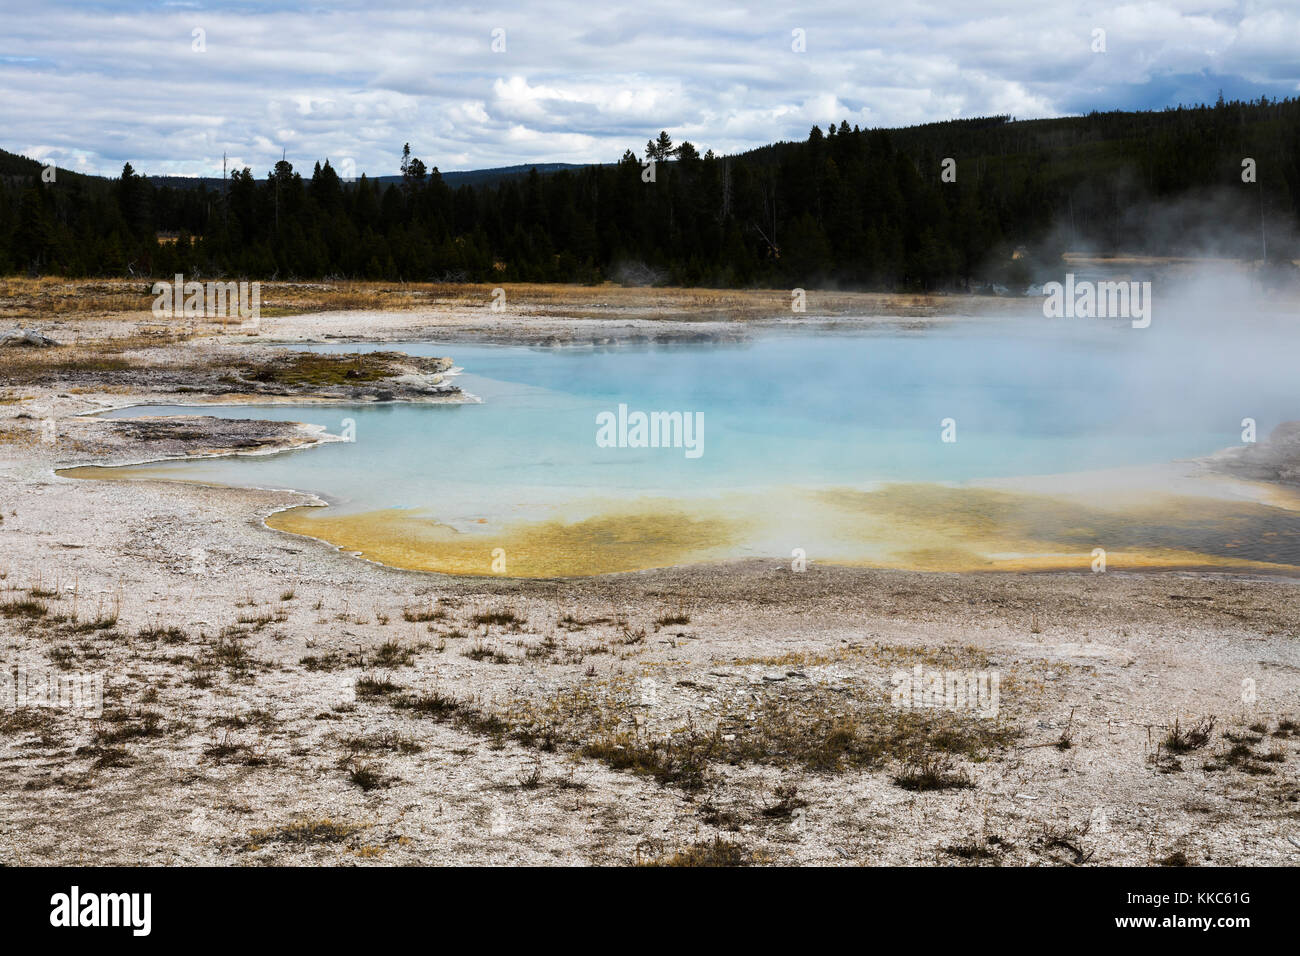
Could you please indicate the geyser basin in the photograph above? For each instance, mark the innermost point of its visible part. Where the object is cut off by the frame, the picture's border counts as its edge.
(831, 443)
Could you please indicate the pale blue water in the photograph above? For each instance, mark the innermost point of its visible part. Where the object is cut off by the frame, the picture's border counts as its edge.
(824, 409)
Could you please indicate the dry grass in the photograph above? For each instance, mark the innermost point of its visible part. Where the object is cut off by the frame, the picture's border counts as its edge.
(1181, 740)
(375, 685)
(307, 830)
(110, 356)
(314, 370)
(715, 852)
(501, 617)
(812, 732)
(24, 608)
(31, 300)
(927, 772)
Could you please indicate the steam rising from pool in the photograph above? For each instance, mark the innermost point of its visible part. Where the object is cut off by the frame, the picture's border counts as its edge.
(830, 442)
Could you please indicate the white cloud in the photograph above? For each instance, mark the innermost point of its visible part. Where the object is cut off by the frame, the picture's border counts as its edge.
(99, 85)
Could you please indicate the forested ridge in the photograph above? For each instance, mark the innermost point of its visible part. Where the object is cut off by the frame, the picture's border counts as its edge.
(859, 208)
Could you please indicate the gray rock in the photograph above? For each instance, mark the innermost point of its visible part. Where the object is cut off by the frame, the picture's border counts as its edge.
(1276, 459)
(27, 337)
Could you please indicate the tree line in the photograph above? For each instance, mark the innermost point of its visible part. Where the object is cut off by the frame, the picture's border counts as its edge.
(939, 206)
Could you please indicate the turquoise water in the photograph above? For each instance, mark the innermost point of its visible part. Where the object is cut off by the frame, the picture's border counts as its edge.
(804, 410)
(826, 442)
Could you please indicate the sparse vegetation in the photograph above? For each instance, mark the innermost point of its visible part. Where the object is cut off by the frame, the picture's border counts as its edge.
(121, 726)
(436, 705)
(24, 607)
(385, 741)
(501, 617)
(928, 772)
(429, 612)
(330, 661)
(1055, 839)
(780, 733)
(168, 635)
(787, 802)
(672, 619)
(393, 654)
(374, 685)
(715, 852)
(481, 652)
(1066, 740)
(308, 830)
(367, 776)
(1181, 740)
(973, 849)
(227, 652)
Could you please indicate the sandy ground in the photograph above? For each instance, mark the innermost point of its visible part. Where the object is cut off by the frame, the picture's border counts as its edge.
(268, 699)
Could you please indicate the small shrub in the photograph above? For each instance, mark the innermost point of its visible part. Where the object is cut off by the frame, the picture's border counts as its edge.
(372, 685)
(930, 772)
(1180, 740)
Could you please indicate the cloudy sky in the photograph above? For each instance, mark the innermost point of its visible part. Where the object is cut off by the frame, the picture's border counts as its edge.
(170, 86)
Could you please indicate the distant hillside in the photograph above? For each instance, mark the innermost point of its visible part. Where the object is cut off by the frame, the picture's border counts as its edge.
(938, 206)
(469, 177)
(22, 169)
(14, 165)
(491, 177)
